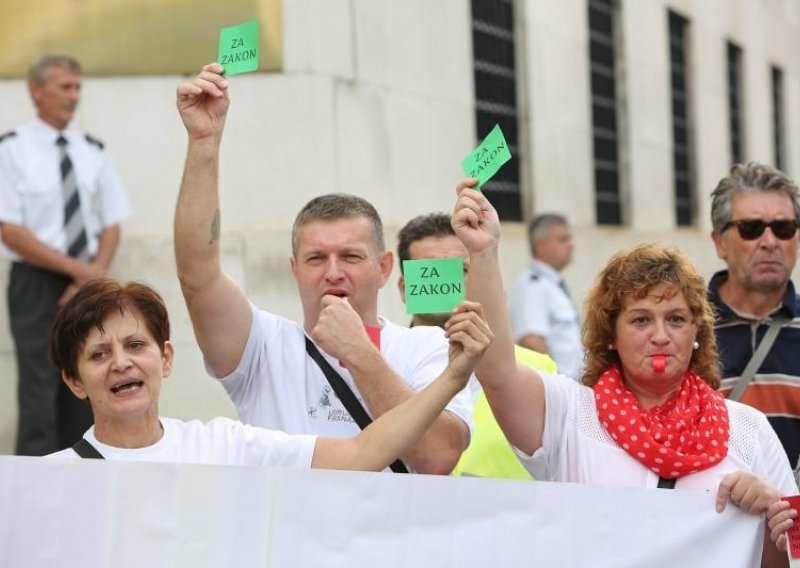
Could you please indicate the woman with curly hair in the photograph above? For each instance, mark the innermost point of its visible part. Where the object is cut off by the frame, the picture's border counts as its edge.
(648, 413)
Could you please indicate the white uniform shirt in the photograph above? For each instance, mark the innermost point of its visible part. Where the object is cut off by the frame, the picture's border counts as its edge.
(538, 305)
(31, 192)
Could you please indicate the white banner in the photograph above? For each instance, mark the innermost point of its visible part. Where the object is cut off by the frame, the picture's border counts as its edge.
(92, 513)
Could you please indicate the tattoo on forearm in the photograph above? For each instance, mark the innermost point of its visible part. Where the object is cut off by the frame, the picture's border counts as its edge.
(214, 228)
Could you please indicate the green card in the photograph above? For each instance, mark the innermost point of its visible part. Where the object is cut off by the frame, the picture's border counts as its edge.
(487, 158)
(433, 285)
(238, 48)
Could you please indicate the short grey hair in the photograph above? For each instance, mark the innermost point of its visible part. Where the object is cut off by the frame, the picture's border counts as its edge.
(540, 226)
(334, 206)
(747, 178)
(38, 71)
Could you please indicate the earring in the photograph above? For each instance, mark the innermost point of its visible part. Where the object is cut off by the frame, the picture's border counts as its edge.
(695, 346)
(610, 347)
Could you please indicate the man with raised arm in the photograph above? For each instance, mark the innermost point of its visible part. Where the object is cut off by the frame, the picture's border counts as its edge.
(339, 262)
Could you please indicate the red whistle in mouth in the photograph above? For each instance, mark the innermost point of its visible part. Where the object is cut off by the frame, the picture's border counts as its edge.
(659, 363)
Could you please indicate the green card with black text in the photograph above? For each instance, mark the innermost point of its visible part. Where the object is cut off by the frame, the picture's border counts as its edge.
(433, 285)
(487, 158)
(238, 48)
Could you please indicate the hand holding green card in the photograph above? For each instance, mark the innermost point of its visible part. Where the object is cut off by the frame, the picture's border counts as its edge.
(487, 158)
(433, 285)
(238, 48)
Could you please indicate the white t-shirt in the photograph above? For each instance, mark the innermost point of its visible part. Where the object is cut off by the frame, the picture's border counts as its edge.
(539, 305)
(277, 385)
(576, 448)
(221, 441)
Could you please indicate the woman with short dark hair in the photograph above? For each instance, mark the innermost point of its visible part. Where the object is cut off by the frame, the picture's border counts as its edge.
(111, 342)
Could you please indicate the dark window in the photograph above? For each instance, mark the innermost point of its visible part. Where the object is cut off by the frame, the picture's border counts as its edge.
(681, 135)
(735, 103)
(779, 133)
(496, 96)
(605, 124)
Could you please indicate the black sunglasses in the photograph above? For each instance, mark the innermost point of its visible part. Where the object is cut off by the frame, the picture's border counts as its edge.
(751, 229)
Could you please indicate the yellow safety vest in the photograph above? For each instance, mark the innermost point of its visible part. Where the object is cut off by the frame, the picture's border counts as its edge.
(489, 454)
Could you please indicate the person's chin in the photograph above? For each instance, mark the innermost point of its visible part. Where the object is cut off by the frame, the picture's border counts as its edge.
(67, 117)
(132, 409)
(770, 280)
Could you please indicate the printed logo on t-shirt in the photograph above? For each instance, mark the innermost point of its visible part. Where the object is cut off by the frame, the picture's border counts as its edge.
(325, 397)
(324, 409)
(339, 415)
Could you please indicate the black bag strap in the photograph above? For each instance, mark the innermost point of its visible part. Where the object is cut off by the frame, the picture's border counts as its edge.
(86, 450)
(664, 483)
(346, 395)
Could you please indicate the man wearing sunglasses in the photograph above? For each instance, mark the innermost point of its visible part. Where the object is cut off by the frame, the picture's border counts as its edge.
(755, 212)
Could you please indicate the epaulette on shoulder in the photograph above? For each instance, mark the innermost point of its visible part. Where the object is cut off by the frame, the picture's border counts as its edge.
(95, 141)
(10, 134)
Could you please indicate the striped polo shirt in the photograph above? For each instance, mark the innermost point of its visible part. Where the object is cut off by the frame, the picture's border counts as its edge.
(775, 388)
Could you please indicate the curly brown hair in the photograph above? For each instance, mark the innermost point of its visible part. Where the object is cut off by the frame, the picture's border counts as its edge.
(633, 273)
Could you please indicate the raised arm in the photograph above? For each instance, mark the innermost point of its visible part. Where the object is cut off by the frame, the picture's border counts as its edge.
(220, 312)
(515, 392)
(340, 332)
(399, 429)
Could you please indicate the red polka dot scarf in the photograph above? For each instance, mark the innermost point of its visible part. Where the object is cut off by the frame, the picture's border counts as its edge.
(686, 434)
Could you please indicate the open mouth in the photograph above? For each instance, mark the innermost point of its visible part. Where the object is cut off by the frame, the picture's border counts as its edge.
(127, 387)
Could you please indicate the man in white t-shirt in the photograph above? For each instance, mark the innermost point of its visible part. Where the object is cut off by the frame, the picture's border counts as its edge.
(339, 262)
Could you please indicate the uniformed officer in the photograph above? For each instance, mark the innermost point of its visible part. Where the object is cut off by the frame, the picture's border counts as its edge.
(543, 316)
(61, 201)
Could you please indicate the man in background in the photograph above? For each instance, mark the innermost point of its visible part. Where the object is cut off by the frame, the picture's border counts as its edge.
(488, 454)
(61, 202)
(428, 236)
(754, 213)
(543, 316)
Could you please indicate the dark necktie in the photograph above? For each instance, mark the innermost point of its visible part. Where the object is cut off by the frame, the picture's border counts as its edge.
(73, 220)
